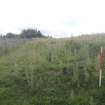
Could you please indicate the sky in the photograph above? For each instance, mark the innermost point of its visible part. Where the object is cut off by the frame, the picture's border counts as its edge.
(57, 18)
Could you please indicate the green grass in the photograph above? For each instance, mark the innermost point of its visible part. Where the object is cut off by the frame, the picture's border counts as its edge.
(33, 73)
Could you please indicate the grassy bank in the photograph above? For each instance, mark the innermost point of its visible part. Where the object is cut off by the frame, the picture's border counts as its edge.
(52, 72)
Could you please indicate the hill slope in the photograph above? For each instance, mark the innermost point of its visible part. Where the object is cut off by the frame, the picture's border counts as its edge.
(52, 72)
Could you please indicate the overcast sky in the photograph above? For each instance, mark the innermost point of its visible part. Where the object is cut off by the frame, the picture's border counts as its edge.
(59, 18)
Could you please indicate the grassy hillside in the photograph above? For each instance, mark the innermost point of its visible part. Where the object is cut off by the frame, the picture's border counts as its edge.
(7, 44)
(52, 72)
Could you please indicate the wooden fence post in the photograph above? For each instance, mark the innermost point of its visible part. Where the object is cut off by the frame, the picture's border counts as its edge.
(101, 58)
